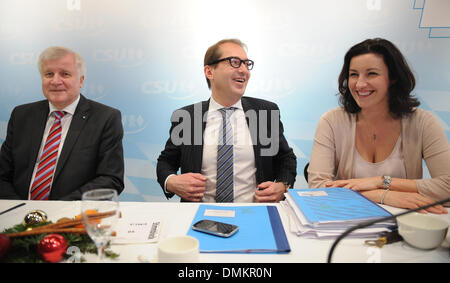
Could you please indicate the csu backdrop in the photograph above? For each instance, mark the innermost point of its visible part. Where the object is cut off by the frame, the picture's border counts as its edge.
(145, 57)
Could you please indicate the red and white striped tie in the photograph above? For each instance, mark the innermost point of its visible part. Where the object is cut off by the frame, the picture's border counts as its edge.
(40, 190)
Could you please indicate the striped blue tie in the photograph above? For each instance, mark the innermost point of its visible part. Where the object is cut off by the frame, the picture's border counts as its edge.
(224, 187)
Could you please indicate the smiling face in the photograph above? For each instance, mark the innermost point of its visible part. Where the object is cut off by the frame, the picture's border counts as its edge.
(228, 84)
(368, 81)
(61, 82)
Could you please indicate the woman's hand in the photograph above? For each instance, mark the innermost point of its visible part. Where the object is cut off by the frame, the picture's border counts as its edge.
(412, 201)
(372, 188)
(405, 200)
(362, 184)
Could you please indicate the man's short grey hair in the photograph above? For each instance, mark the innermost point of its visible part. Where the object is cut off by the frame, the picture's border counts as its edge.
(57, 52)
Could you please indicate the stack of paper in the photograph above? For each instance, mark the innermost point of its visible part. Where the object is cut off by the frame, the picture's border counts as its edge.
(329, 212)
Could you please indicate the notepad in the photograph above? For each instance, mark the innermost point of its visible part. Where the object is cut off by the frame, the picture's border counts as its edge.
(260, 230)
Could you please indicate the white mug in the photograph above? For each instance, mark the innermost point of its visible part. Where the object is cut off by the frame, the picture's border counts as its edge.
(179, 249)
(423, 231)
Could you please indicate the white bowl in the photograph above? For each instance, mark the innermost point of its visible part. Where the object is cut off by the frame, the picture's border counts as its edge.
(423, 231)
(179, 249)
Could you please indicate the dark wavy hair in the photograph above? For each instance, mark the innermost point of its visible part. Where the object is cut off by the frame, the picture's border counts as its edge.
(401, 102)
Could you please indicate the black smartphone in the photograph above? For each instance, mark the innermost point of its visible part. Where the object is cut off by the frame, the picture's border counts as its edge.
(215, 228)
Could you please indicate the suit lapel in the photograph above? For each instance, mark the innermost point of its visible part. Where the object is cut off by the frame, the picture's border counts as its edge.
(246, 106)
(198, 149)
(79, 119)
(39, 119)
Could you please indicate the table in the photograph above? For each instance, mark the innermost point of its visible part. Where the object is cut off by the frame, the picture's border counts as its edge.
(177, 218)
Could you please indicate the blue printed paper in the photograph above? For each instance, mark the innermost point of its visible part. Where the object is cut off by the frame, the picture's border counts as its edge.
(335, 204)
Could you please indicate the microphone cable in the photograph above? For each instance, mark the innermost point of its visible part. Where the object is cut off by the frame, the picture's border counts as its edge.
(369, 223)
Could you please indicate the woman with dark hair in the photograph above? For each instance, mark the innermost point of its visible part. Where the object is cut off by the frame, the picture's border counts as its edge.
(375, 142)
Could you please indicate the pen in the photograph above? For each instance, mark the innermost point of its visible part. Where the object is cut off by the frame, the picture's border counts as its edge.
(14, 207)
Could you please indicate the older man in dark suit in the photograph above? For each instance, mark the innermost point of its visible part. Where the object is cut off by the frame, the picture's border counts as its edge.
(229, 148)
(58, 148)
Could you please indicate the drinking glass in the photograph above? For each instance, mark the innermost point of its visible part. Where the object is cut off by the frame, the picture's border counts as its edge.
(100, 212)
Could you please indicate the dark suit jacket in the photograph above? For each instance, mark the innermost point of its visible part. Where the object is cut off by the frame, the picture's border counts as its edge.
(281, 167)
(91, 157)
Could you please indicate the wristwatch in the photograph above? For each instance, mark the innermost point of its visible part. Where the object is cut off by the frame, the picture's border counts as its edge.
(287, 185)
(387, 182)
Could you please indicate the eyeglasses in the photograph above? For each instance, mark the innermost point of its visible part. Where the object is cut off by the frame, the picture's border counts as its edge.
(236, 62)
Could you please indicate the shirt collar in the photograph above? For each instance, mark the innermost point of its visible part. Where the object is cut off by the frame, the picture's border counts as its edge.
(214, 105)
(70, 109)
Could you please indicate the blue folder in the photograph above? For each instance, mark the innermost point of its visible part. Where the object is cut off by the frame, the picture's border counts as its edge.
(260, 231)
(335, 205)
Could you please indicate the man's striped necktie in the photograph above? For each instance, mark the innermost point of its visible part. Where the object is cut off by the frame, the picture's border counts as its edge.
(40, 189)
(224, 185)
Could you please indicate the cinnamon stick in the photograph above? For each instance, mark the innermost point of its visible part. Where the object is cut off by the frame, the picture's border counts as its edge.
(75, 222)
(62, 227)
(47, 231)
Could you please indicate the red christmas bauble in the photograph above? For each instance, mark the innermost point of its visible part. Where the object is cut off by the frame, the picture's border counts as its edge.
(52, 247)
(5, 243)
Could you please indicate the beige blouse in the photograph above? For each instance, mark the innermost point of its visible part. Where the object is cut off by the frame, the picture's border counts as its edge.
(332, 156)
(393, 165)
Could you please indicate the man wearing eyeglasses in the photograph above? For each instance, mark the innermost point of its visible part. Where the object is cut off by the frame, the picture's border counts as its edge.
(229, 159)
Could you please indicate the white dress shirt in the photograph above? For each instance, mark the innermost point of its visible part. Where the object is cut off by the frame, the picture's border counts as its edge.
(65, 124)
(243, 155)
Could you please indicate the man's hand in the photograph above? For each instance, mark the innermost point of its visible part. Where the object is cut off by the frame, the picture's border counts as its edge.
(270, 192)
(188, 186)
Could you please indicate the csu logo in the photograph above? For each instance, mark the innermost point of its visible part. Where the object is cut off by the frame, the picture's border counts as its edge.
(271, 88)
(123, 57)
(90, 25)
(178, 89)
(94, 91)
(23, 58)
(133, 124)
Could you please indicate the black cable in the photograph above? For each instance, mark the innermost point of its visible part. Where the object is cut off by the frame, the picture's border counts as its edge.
(369, 223)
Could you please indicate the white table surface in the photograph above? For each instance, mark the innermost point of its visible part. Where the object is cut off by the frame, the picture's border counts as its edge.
(177, 218)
